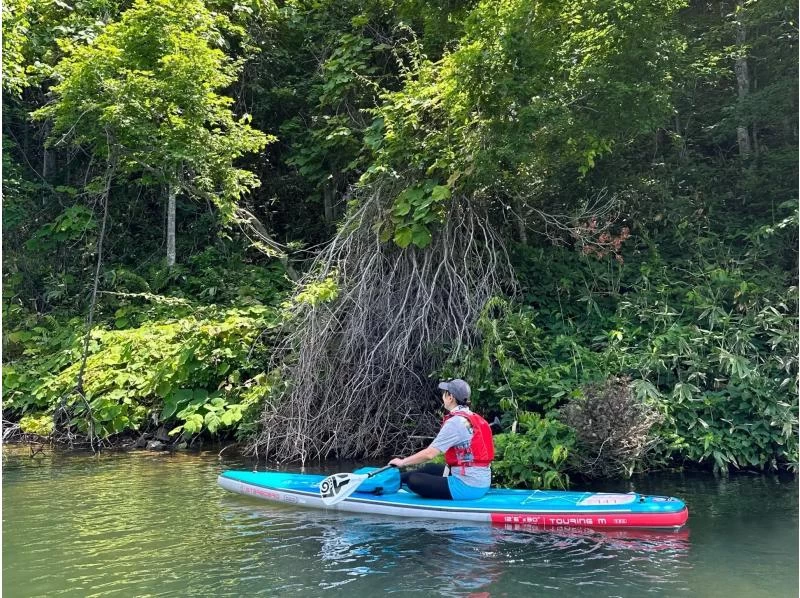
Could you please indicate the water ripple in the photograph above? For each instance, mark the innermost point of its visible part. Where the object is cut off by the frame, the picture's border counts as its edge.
(157, 525)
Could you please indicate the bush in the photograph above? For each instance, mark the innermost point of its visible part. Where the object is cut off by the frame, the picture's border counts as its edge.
(612, 427)
(535, 457)
(718, 350)
(193, 372)
(40, 424)
(520, 366)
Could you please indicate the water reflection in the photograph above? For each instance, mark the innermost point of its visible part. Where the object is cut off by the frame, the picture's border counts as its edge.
(371, 554)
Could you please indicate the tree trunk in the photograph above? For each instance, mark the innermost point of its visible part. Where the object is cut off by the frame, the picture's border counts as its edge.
(523, 235)
(754, 125)
(48, 157)
(328, 193)
(173, 192)
(742, 81)
(680, 133)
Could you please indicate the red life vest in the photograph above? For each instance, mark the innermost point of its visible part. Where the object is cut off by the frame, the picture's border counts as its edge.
(480, 451)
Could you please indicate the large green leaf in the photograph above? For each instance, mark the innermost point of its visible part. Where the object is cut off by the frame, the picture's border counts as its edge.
(403, 237)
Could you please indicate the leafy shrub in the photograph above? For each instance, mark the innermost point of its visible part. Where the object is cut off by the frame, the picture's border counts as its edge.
(38, 424)
(71, 225)
(740, 426)
(518, 366)
(613, 429)
(193, 371)
(223, 275)
(536, 457)
(713, 343)
(719, 351)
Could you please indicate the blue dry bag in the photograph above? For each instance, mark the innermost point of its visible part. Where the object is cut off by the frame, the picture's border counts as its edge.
(386, 482)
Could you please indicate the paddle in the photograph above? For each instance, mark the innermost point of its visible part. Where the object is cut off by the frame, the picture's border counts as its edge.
(335, 488)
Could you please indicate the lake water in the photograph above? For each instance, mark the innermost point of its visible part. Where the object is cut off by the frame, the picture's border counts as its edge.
(156, 524)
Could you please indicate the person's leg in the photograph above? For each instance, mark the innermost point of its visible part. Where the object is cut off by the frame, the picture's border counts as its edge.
(432, 468)
(429, 486)
(429, 468)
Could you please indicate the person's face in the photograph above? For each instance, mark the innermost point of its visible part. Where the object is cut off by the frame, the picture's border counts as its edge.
(448, 400)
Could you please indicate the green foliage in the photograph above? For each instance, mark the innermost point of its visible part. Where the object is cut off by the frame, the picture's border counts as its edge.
(713, 343)
(414, 211)
(29, 338)
(531, 88)
(322, 68)
(37, 424)
(721, 352)
(438, 25)
(520, 366)
(535, 457)
(193, 370)
(542, 71)
(315, 293)
(75, 223)
(333, 144)
(230, 278)
(15, 29)
(522, 109)
(144, 96)
(38, 31)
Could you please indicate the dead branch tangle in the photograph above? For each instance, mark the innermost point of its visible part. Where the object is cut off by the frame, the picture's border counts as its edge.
(358, 367)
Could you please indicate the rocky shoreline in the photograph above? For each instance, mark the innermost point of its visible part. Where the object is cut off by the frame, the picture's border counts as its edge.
(154, 441)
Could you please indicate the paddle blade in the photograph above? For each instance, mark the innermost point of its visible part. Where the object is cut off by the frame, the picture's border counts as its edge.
(337, 487)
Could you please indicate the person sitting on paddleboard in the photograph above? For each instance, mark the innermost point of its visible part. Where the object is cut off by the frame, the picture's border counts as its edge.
(466, 441)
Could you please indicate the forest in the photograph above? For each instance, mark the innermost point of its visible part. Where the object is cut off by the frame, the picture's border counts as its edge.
(282, 223)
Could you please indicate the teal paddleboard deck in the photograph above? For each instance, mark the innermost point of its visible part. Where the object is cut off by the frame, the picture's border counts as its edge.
(534, 508)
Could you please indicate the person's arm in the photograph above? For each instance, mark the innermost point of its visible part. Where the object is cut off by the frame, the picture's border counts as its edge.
(452, 433)
(425, 454)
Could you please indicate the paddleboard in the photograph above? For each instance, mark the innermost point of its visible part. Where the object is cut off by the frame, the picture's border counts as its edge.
(529, 508)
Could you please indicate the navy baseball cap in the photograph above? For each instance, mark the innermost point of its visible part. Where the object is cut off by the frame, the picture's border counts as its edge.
(458, 388)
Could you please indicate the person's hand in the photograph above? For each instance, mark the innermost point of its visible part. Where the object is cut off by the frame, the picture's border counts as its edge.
(397, 462)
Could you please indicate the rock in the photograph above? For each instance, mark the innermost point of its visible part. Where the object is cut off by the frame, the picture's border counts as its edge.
(141, 442)
(161, 434)
(155, 445)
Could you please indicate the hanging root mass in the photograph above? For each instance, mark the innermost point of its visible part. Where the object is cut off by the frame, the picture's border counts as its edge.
(358, 366)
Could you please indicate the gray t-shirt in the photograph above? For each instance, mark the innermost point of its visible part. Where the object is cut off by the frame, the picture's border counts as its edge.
(457, 432)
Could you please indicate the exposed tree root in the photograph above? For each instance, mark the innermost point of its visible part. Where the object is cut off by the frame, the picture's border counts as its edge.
(358, 366)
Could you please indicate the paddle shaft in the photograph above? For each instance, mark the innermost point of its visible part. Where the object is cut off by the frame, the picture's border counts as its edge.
(381, 470)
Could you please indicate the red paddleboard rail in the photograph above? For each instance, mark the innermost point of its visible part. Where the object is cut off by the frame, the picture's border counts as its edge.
(595, 520)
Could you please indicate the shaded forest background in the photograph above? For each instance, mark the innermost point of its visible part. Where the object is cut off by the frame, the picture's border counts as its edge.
(310, 211)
